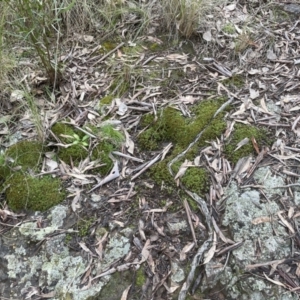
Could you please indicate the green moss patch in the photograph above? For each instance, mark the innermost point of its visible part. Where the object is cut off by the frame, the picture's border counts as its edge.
(106, 100)
(241, 131)
(110, 138)
(111, 135)
(65, 132)
(5, 172)
(234, 81)
(74, 153)
(101, 152)
(171, 126)
(84, 225)
(32, 193)
(108, 46)
(140, 277)
(196, 180)
(229, 28)
(27, 154)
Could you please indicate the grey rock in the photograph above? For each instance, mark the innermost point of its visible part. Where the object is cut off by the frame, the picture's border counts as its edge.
(292, 8)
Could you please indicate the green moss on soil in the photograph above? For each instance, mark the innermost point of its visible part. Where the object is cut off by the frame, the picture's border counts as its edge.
(5, 172)
(229, 28)
(60, 129)
(196, 180)
(110, 140)
(107, 100)
(115, 287)
(32, 193)
(159, 173)
(140, 277)
(102, 151)
(111, 135)
(108, 46)
(171, 126)
(74, 153)
(242, 131)
(84, 225)
(27, 154)
(235, 81)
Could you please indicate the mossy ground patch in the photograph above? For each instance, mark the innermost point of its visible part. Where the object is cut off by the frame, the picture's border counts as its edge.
(32, 193)
(242, 131)
(171, 126)
(27, 154)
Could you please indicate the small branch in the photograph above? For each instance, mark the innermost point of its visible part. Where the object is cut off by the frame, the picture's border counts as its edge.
(108, 54)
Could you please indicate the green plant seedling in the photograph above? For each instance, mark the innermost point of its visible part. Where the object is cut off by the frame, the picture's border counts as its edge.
(80, 141)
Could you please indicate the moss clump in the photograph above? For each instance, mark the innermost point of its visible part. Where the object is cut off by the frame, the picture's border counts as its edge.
(229, 28)
(101, 152)
(140, 277)
(84, 226)
(154, 47)
(75, 153)
(241, 132)
(5, 172)
(107, 100)
(32, 193)
(65, 133)
(108, 46)
(113, 136)
(171, 126)
(159, 173)
(27, 154)
(115, 287)
(235, 81)
(196, 180)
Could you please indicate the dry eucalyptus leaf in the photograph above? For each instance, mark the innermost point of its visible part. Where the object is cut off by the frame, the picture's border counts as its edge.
(207, 36)
(253, 93)
(184, 166)
(211, 252)
(242, 143)
(230, 7)
(51, 164)
(16, 95)
(271, 55)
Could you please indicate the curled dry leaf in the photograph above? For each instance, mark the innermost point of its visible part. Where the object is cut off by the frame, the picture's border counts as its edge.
(141, 230)
(253, 93)
(125, 293)
(186, 249)
(271, 55)
(187, 99)
(184, 166)
(242, 143)
(51, 164)
(180, 58)
(207, 36)
(259, 220)
(75, 203)
(211, 252)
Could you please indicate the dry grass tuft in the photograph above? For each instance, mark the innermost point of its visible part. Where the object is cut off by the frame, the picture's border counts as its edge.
(185, 16)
